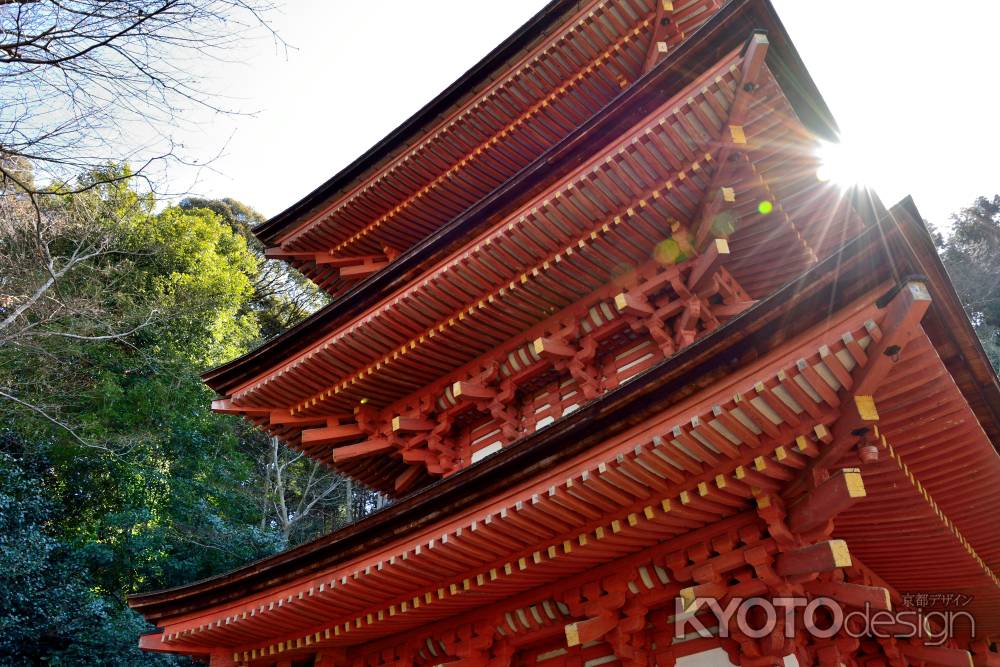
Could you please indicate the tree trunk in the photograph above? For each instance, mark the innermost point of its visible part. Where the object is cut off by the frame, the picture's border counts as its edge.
(349, 500)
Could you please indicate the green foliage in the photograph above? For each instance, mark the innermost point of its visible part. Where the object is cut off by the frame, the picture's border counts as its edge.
(972, 256)
(115, 475)
(51, 612)
(141, 486)
(200, 276)
(281, 297)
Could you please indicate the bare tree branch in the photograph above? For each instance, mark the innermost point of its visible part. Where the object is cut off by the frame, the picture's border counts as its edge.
(45, 415)
(77, 74)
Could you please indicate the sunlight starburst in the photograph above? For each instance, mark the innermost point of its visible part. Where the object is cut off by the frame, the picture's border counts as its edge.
(845, 164)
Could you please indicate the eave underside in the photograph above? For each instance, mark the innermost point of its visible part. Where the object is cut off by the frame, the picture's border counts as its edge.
(687, 476)
(612, 507)
(937, 471)
(550, 91)
(724, 31)
(652, 196)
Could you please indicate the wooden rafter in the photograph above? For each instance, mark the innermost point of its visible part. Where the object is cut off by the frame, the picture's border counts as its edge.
(527, 129)
(732, 139)
(663, 29)
(640, 211)
(900, 325)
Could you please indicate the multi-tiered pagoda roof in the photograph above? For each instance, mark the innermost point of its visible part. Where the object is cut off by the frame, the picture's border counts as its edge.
(607, 338)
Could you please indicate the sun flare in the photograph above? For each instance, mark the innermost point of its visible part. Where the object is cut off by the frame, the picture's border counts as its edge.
(844, 164)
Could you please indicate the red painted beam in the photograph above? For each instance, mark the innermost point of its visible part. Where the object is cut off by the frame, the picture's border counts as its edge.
(331, 434)
(900, 325)
(663, 28)
(632, 304)
(827, 500)
(362, 270)
(551, 348)
(284, 418)
(592, 629)
(407, 478)
(402, 424)
(821, 557)
(853, 595)
(707, 264)
(470, 390)
(361, 450)
(225, 406)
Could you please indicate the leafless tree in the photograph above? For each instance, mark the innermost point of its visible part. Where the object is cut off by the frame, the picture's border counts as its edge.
(297, 498)
(43, 243)
(305, 499)
(84, 82)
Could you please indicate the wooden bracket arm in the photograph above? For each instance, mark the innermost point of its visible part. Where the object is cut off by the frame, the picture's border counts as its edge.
(900, 325)
(633, 305)
(710, 589)
(663, 29)
(550, 348)
(707, 264)
(821, 557)
(827, 500)
(753, 63)
(225, 406)
(401, 424)
(331, 434)
(285, 418)
(853, 595)
(365, 268)
(463, 389)
(361, 450)
(592, 629)
(719, 192)
(406, 479)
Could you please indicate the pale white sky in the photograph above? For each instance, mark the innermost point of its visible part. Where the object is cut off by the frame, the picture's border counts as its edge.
(912, 83)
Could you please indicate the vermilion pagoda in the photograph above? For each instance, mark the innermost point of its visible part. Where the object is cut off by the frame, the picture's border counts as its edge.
(607, 339)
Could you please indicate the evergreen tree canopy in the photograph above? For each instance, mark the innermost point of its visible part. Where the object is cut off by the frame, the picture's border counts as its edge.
(972, 256)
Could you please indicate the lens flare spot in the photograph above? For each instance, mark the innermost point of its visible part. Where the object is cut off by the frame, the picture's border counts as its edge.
(667, 252)
(765, 207)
